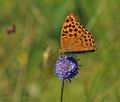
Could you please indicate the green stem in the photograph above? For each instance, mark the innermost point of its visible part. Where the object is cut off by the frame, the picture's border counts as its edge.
(62, 89)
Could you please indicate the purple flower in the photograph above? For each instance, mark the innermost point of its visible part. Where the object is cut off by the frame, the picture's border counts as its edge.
(66, 67)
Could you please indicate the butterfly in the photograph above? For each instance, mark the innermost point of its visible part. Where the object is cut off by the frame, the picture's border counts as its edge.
(74, 37)
(11, 29)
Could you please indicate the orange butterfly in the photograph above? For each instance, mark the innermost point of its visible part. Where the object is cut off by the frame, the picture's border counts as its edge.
(11, 29)
(74, 37)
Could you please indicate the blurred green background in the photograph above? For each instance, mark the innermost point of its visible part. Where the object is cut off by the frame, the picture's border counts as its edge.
(27, 57)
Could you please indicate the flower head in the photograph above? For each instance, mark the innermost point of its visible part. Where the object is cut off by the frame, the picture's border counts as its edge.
(66, 67)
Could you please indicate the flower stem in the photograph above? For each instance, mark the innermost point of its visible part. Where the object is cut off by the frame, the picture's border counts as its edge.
(62, 89)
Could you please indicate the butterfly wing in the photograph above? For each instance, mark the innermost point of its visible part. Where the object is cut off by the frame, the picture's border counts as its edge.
(67, 33)
(82, 44)
(74, 37)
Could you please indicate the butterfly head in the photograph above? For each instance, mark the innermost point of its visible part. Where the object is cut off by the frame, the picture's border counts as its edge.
(61, 51)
